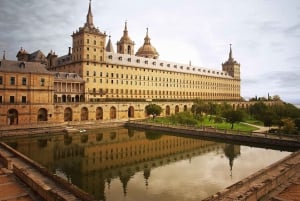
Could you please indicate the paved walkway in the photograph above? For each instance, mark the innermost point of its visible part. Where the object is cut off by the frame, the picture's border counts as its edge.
(11, 189)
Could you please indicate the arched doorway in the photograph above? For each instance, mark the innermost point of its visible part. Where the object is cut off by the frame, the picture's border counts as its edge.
(42, 115)
(84, 114)
(113, 113)
(185, 108)
(99, 113)
(131, 112)
(167, 110)
(176, 109)
(12, 117)
(68, 114)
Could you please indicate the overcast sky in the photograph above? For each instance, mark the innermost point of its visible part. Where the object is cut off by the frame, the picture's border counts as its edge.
(265, 34)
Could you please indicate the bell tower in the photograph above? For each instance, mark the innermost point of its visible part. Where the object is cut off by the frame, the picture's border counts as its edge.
(125, 45)
(232, 66)
(88, 42)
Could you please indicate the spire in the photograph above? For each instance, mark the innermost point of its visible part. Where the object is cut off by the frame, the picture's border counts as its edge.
(109, 46)
(230, 53)
(89, 17)
(147, 38)
(3, 55)
(125, 30)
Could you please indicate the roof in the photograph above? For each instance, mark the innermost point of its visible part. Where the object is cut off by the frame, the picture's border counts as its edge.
(74, 77)
(23, 67)
(149, 63)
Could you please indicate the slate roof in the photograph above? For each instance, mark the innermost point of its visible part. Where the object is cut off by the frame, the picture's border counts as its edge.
(23, 67)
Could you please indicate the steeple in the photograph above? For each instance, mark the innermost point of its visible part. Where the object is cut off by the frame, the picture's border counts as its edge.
(109, 46)
(231, 65)
(125, 45)
(147, 38)
(3, 55)
(89, 17)
(230, 53)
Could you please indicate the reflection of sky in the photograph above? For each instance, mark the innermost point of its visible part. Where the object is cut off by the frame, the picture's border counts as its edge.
(193, 179)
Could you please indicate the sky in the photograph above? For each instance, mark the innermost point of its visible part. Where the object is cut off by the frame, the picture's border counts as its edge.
(265, 34)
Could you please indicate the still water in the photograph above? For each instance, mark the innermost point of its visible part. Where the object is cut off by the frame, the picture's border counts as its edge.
(133, 165)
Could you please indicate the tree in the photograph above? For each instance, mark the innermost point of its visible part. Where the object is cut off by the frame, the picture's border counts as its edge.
(199, 107)
(288, 126)
(233, 116)
(258, 109)
(153, 109)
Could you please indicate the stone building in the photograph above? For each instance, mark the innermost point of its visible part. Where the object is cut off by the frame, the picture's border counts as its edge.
(26, 93)
(93, 82)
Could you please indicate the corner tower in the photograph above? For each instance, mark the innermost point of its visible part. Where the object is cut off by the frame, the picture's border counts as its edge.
(88, 42)
(125, 45)
(232, 66)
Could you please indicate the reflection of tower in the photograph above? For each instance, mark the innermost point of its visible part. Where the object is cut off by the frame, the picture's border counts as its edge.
(231, 152)
(146, 176)
(125, 177)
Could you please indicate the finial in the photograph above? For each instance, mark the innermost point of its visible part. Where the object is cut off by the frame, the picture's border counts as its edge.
(3, 55)
(147, 31)
(126, 25)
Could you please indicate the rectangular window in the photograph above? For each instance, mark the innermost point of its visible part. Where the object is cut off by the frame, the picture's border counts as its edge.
(87, 73)
(24, 81)
(0, 99)
(11, 99)
(1, 80)
(42, 81)
(23, 100)
(12, 80)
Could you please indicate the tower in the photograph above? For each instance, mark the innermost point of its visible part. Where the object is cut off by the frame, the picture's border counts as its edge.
(88, 42)
(125, 45)
(231, 66)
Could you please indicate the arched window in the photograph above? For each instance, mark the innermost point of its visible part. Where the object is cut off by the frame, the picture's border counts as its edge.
(176, 109)
(167, 110)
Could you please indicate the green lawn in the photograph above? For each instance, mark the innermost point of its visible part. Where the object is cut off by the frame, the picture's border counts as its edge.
(207, 123)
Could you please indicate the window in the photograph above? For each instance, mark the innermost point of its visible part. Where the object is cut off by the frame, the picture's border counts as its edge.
(1, 80)
(24, 81)
(11, 99)
(87, 73)
(12, 80)
(42, 81)
(23, 99)
(0, 99)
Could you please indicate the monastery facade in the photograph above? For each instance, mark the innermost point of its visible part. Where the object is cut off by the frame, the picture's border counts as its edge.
(95, 82)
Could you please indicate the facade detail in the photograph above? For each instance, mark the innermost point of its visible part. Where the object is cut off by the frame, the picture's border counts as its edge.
(93, 82)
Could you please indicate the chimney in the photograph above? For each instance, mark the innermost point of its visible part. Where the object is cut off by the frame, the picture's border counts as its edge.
(69, 51)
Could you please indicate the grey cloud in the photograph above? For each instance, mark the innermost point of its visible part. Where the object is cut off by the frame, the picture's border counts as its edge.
(285, 79)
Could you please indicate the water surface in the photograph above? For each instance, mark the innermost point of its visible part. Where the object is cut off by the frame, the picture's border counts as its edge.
(127, 164)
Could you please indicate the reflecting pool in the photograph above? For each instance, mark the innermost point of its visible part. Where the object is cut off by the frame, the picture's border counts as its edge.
(133, 165)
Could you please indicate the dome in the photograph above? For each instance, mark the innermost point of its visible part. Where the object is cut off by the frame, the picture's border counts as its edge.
(147, 50)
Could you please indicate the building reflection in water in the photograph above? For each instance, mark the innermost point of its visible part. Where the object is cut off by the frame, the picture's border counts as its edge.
(93, 159)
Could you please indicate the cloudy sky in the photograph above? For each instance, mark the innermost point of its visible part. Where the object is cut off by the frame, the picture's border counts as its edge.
(265, 34)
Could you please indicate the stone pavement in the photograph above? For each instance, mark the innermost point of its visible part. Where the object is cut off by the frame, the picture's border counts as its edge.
(11, 189)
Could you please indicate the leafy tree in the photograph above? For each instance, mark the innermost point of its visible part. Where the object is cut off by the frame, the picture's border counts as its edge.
(297, 123)
(233, 116)
(153, 109)
(199, 107)
(288, 126)
(258, 109)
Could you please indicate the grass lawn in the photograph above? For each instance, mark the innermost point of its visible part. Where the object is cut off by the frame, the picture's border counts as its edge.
(206, 122)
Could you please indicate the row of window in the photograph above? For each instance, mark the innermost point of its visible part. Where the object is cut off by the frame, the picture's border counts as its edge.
(175, 66)
(12, 81)
(152, 92)
(13, 100)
